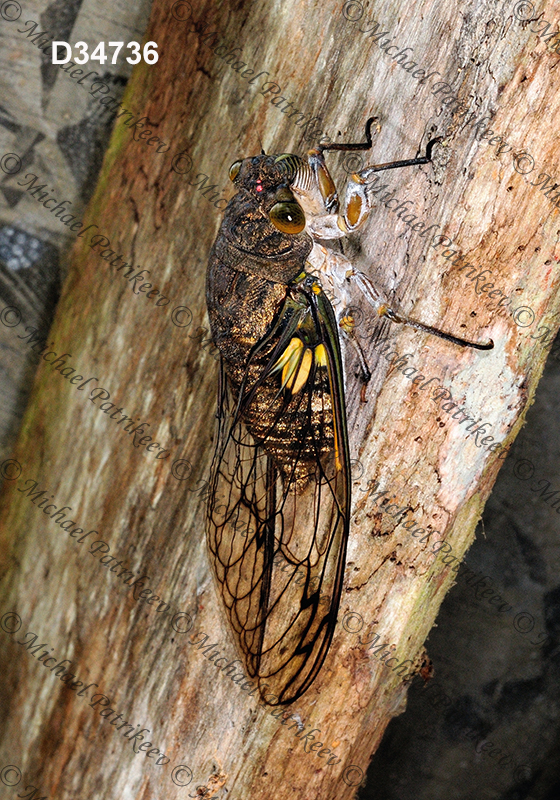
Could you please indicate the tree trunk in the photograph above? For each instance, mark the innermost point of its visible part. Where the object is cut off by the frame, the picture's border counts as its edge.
(155, 365)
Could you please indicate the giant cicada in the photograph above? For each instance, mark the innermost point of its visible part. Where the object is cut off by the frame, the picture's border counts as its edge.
(279, 503)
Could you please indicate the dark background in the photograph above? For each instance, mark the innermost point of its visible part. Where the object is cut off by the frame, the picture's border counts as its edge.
(493, 685)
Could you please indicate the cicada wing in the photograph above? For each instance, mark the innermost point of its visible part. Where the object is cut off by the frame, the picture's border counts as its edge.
(240, 501)
(278, 512)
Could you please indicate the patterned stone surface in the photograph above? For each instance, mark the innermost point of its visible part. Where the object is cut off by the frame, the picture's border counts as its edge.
(60, 132)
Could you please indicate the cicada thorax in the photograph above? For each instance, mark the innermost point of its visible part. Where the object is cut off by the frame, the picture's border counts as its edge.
(294, 426)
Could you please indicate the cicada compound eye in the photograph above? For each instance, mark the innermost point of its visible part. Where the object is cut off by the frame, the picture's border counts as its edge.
(234, 170)
(288, 217)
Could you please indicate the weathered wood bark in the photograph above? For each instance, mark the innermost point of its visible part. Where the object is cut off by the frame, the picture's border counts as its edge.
(158, 373)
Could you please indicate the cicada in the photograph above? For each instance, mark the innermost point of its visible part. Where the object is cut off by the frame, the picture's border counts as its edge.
(278, 513)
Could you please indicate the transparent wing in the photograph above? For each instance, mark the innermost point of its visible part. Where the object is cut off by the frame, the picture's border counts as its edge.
(278, 510)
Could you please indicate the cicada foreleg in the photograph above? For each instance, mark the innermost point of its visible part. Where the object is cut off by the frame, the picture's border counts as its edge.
(316, 190)
(357, 205)
(318, 166)
(327, 220)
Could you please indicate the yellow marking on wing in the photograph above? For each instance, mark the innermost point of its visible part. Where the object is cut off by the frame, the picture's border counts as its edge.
(295, 346)
(337, 461)
(295, 363)
(289, 371)
(321, 355)
(298, 380)
(294, 376)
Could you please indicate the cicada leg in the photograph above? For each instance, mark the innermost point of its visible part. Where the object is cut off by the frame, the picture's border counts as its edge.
(317, 193)
(365, 372)
(382, 308)
(315, 184)
(317, 163)
(357, 205)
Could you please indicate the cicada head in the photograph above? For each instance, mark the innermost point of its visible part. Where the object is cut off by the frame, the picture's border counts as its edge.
(267, 179)
(313, 189)
(264, 220)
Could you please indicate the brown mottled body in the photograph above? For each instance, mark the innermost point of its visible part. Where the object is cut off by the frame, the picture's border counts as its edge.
(250, 267)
